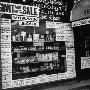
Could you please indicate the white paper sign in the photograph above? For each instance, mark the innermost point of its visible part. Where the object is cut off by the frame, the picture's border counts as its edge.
(53, 24)
(6, 85)
(70, 54)
(60, 35)
(81, 22)
(85, 62)
(19, 9)
(59, 25)
(28, 23)
(6, 57)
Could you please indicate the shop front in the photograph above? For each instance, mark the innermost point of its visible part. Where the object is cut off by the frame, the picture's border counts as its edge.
(80, 17)
(33, 50)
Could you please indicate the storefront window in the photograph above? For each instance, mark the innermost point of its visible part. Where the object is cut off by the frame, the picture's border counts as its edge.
(35, 50)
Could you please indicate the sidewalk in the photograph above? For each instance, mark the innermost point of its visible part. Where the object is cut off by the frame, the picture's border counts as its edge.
(83, 85)
(73, 85)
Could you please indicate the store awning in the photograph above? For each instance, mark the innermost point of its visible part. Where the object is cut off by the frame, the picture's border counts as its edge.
(81, 10)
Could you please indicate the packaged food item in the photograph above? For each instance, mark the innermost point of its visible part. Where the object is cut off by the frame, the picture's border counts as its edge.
(47, 37)
(45, 57)
(35, 37)
(29, 38)
(25, 69)
(55, 56)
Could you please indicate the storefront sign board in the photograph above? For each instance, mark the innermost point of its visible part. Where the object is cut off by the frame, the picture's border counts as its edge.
(18, 9)
(81, 22)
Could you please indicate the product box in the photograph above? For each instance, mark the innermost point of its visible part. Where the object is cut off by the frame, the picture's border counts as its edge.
(55, 56)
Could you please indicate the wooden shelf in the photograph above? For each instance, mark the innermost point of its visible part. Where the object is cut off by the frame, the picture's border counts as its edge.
(35, 62)
(35, 71)
(46, 50)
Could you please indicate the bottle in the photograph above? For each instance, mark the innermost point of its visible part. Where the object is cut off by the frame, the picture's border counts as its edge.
(13, 38)
(23, 34)
(87, 53)
(47, 38)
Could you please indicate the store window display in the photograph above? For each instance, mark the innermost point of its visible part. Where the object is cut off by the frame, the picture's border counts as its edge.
(33, 53)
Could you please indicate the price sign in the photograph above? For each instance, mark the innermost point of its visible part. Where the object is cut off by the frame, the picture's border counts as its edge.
(60, 35)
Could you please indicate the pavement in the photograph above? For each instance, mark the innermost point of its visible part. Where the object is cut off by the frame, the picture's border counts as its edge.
(82, 85)
(71, 85)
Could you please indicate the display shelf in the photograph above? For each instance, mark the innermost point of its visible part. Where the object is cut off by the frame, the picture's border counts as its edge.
(32, 62)
(32, 59)
(30, 41)
(26, 72)
(47, 50)
(18, 43)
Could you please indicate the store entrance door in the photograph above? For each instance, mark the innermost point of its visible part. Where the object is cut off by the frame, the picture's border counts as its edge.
(82, 51)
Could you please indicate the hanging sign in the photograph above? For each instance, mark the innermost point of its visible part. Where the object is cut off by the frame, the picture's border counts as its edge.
(18, 9)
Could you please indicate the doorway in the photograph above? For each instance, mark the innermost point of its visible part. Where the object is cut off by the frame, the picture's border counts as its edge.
(82, 51)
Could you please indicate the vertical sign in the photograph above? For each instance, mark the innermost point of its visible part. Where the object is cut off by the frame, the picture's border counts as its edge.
(6, 57)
